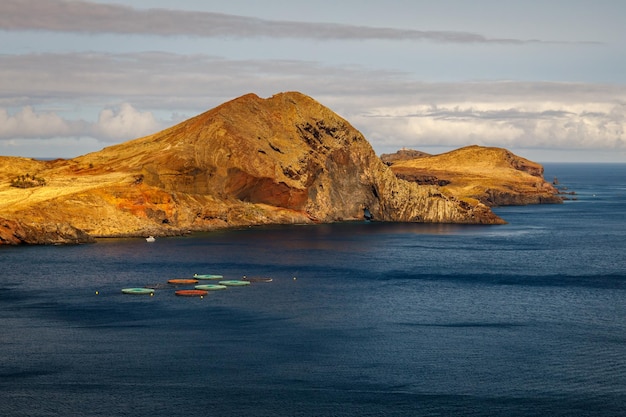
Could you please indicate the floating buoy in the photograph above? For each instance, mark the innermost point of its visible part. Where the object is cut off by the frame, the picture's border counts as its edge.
(208, 276)
(210, 287)
(137, 291)
(192, 293)
(182, 281)
(234, 283)
(97, 292)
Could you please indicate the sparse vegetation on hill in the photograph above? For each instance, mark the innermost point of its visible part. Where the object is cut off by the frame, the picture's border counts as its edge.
(27, 181)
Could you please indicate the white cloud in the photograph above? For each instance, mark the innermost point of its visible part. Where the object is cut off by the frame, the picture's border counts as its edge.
(536, 124)
(125, 123)
(27, 123)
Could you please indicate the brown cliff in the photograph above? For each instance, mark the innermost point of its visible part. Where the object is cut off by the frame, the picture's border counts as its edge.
(285, 159)
(493, 176)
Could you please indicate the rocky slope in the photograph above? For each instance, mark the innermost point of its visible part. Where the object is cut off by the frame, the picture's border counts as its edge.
(493, 176)
(250, 161)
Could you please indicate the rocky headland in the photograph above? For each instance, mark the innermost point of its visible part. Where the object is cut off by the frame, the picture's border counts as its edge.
(282, 160)
(493, 176)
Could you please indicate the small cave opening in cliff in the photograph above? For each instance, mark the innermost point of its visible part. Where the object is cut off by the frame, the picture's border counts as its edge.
(367, 215)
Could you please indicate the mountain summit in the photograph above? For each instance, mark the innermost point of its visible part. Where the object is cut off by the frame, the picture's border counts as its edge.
(250, 161)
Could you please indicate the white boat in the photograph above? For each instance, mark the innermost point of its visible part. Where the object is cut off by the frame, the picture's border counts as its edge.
(150, 239)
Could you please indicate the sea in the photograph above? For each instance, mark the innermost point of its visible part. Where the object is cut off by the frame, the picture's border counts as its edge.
(359, 319)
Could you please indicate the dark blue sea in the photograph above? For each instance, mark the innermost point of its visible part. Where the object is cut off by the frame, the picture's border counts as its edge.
(360, 319)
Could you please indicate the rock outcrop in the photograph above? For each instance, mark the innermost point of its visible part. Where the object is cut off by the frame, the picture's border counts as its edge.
(493, 176)
(250, 161)
(402, 155)
(15, 233)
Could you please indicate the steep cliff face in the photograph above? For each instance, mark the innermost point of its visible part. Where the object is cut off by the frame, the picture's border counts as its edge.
(285, 159)
(493, 176)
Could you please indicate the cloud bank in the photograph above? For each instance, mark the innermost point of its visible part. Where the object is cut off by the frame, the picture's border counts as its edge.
(113, 125)
(89, 17)
(30, 124)
(532, 124)
(391, 109)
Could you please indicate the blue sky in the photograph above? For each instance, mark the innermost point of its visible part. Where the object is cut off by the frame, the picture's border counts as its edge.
(545, 79)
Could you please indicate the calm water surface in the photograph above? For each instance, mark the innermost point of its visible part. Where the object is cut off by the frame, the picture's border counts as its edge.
(525, 319)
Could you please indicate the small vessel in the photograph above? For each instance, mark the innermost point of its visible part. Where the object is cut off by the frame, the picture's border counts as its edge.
(207, 276)
(150, 239)
(234, 283)
(191, 293)
(138, 291)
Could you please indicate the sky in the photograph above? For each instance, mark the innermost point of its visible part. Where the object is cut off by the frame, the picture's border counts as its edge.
(545, 79)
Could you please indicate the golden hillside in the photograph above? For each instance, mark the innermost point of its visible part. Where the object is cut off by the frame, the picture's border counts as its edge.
(285, 159)
(493, 176)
